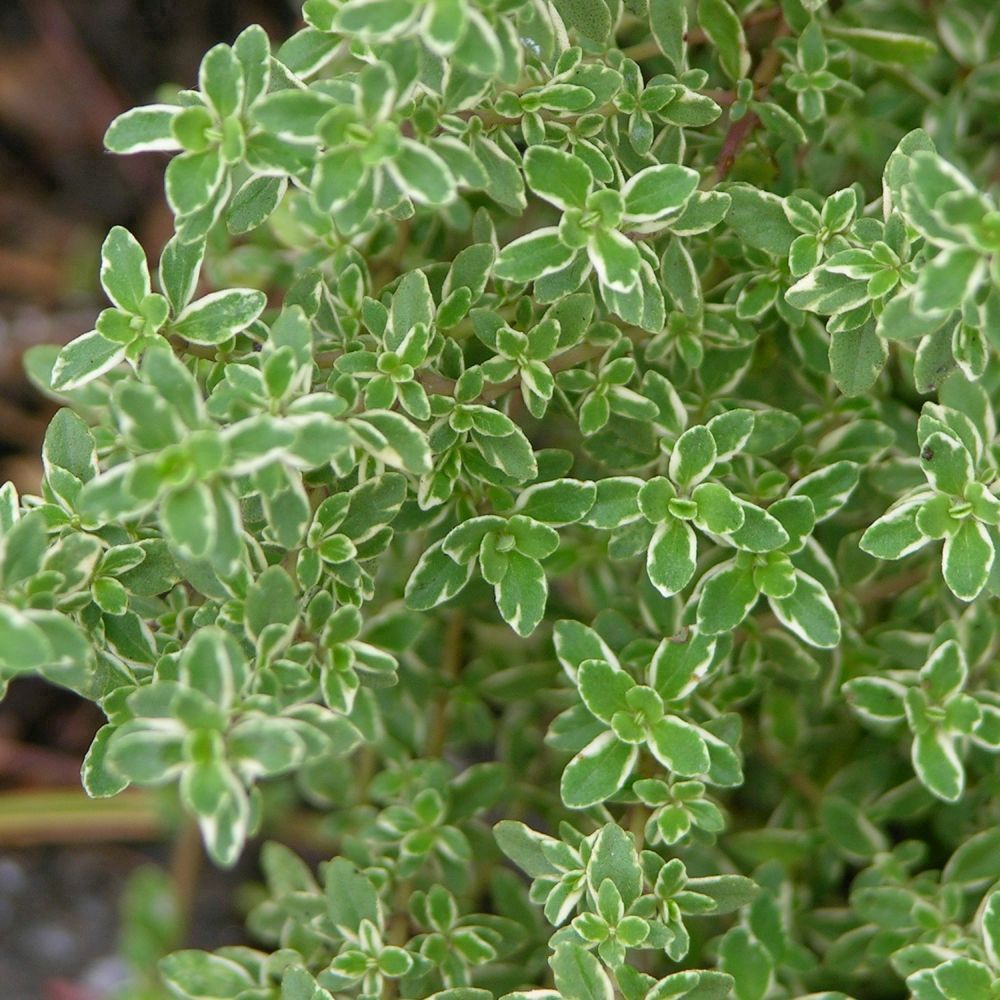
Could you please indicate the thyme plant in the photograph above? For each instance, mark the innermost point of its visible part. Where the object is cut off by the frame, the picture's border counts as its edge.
(558, 446)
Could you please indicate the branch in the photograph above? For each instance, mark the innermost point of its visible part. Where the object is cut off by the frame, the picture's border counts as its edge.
(451, 663)
(740, 131)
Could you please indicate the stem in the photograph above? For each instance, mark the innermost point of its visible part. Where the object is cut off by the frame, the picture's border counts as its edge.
(71, 817)
(451, 661)
(892, 585)
(186, 860)
(635, 821)
(740, 131)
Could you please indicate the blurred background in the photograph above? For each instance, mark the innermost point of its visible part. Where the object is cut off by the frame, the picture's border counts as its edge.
(68, 866)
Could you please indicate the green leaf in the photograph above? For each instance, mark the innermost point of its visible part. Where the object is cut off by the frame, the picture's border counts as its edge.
(575, 642)
(110, 596)
(412, 304)
(935, 359)
(731, 431)
(895, 534)
(307, 51)
(188, 518)
(263, 747)
(435, 579)
(671, 557)
(876, 698)
(445, 26)
(214, 664)
(392, 439)
(829, 488)
(777, 120)
(9, 508)
(558, 177)
(180, 264)
(727, 596)
(976, 861)
(147, 756)
(99, 779)
(809, 613)
(590, 17)
(422, 174)
(849, 829)
(297, 984)
(968, 559)
(668, 20)
(524, 847)
(949, 279)
(463, 542)
(857, 358)
(253, 204)
(270, 600)
(124, 274)
(883, 46)
(197, 975)
(947, 464)
(963, 979)
(615, 258)
(902, 320)
(614, 858)
(350, 896)
(23, 645)
(143, 130)
(218, 316)
(615, 503)
(374, 18)
(679, 746)
(656, 192)
(945, 673)
(991, 927)
(730, 892)
(539, 253)
(558, 502)
(603, 688)
(827, 293)
(69, 445)
(725, 31)
(718, 510)
(218, 800)
(677, 667)
(693, 457)
(694, 985)
(192, 179)
(758, 218)
(522, 593)
(748, 962)
(760, 531)
(937, 765)
(506, 183)
(85, 359)
(220, 79)
(253, 49)
(597, 772)
(339, 173)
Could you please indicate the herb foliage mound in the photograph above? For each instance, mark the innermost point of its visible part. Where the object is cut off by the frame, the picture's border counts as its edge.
(558, 431)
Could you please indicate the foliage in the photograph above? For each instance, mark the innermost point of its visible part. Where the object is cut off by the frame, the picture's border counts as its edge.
(558, 431)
